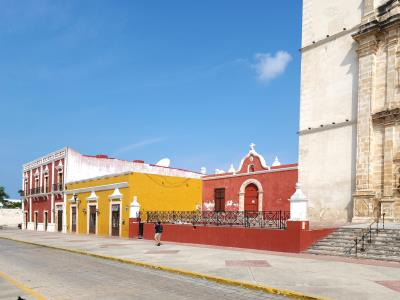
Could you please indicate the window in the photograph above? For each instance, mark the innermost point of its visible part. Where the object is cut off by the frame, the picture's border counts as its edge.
(37, 188)
(219, 198)
(46, 183)
(60, 181)
(26, 187)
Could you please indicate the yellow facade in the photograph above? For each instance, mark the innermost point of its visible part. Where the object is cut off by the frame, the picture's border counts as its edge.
(153, 192)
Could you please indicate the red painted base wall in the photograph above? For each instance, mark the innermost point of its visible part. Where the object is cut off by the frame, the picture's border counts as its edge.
(292, 239)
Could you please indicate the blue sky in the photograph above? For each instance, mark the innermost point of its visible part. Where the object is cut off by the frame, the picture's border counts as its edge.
(195, 81)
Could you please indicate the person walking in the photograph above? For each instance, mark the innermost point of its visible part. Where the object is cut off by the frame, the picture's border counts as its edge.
(158, 231)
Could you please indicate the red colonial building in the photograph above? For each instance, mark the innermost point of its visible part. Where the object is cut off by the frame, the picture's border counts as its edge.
(43, 186)
(254, 186)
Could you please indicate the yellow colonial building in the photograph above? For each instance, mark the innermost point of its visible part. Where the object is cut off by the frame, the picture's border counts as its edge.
(102, 205)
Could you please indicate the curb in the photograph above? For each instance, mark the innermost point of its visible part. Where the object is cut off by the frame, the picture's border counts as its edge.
(232, 282)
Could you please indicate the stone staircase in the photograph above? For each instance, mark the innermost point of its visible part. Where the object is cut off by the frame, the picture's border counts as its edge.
(385, 245)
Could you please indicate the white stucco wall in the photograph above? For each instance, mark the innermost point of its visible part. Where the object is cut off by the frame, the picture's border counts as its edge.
(81, 167)
(327, 172)
(321, 18)
(329, 73)
(10, 217)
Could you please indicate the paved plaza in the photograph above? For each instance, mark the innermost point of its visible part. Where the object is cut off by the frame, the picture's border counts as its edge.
(323, 276)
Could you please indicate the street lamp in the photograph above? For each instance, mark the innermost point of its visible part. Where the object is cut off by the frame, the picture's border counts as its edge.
(76, 199)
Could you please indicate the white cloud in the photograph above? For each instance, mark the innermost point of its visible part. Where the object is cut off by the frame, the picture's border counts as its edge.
(270, 66)
(139, 145)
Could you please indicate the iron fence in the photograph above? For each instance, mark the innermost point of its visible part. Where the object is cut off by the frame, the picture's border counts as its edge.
(262, 219)
(58, 187)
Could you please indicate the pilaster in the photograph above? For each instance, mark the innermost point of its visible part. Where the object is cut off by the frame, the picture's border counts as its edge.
(388, 170)
(391, 76)
(367, 56)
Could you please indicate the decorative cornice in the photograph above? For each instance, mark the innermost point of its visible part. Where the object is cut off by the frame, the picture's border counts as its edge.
(386, 16)
(389, 115)
(98, 188)
(45, 159)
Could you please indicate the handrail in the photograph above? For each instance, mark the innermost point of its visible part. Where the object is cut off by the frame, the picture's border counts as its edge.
(366, 233)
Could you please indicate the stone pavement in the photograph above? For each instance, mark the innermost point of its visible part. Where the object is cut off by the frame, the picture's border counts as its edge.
(324, 276)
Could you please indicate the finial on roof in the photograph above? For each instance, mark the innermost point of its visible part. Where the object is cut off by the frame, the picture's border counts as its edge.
(219, 171)
(203, 170)
(276, 162)
(252, 146)
(231, 169)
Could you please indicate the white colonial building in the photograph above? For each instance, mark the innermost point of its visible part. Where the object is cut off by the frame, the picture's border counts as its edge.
(349, 135)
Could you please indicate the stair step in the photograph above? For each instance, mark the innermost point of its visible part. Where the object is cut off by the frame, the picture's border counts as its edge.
(385, 245)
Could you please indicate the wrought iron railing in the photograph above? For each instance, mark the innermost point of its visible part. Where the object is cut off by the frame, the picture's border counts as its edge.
(36, 190)
(58, 187)
(262, 219)
(366, 236)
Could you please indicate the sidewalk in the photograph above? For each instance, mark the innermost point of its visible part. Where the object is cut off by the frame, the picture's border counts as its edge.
(328, 277)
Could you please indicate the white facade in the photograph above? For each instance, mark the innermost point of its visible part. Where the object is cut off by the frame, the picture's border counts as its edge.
(329, 73)
(329, 105)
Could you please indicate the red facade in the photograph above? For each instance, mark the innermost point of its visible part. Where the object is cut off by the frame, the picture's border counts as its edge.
(254, 187)
(42, 189)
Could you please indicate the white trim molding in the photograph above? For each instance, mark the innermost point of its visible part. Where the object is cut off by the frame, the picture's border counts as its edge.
(98, 188)
(210, 177)
(115, 195)
(88, 216)
(243, 190)
(70, 218)
(60, 166)
(253, 152)
(93, 197)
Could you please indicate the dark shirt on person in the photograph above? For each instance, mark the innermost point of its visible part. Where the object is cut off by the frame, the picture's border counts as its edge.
(159, 228)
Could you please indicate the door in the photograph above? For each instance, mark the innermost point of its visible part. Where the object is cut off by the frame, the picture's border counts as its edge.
(251, 198)
(73, 219)
(115, 214)
(59, 220)
(26, 220)
(92, 219)
(36, 220)
(45, 220)
(219, 196)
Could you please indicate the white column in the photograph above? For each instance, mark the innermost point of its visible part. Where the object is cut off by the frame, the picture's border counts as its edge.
(52, 192)
(30, 209)
(64, 229)
(134, 211)
(41, 177)
(298, 205)
(23, 196)
(30, 198)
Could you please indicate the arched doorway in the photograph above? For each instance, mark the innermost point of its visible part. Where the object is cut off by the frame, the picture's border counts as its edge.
(251, 197)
